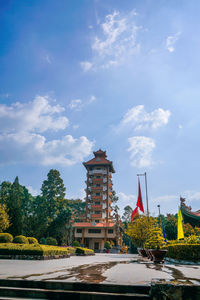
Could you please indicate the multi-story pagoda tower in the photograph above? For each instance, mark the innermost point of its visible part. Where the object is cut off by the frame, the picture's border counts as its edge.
(99, 225)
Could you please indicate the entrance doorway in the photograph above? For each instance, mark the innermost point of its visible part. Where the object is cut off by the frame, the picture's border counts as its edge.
(96, 246)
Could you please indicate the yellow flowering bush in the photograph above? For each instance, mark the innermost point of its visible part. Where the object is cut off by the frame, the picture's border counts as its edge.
(31, 249)
(140, 229)
(84, 251)
(155, 239)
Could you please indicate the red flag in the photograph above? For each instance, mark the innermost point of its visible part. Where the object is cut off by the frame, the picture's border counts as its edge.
(134, 213)
(139, 200)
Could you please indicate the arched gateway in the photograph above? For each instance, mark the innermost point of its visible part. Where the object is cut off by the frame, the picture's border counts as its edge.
(99, 225)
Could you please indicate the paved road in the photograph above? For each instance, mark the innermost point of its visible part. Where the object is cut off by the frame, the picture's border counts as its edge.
(101, 268)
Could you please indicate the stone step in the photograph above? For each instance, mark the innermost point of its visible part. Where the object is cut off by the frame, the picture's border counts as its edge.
(34, 293)
(76, 286)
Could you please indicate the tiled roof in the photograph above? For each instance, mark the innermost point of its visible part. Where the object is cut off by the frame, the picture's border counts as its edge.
(100, 159)
(89, 224)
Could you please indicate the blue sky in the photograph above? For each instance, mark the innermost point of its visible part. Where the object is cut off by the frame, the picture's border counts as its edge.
(123, 76)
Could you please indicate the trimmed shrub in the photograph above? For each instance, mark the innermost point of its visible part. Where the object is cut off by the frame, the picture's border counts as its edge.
(71, 250)
(107, 245)
(6, 238)
(51, 241)
(32, 240)
(33, 249)
(76, 244)
(84, 251)
(20, 239)
(43, 241)
(190, 252)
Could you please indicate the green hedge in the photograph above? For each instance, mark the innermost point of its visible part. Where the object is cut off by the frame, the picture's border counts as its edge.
(6, 238)
(71, 250)
(32, 240)
(51, 241)
(84, 251)
(190, 252)
(31, 249)
(20, 239)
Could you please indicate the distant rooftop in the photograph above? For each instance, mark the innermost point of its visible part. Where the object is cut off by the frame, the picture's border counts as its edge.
(90, 224)
(100, 159)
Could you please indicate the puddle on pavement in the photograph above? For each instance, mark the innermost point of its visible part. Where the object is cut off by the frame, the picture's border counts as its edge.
(95, 273)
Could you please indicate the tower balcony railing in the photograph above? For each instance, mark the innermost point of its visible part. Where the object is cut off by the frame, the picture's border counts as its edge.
(94, 188)
(96, 216)
(92, 172)
(96, 197)
(97, 206)
(94, 180)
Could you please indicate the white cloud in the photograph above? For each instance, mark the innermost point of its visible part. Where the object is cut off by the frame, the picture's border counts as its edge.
(22, 139)
(127, 199)
(141, 148)
(115, 42)
(32, 191)
(169, 203)
(171, 40)
(165, 199)
(38, 115)
(91, 99)
(138, 118)
(48, 59)
(86, 65)
(34, 148)
(76, 104)
(76, 126)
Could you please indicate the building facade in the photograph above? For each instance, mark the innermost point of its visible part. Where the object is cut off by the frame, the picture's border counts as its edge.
(99, 225)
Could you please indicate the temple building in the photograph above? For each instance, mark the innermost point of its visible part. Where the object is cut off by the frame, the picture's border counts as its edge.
(99, 224)
(189, 216)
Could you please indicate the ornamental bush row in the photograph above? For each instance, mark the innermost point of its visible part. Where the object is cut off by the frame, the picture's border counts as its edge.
(190, 252)
(84, 251)
(31, 249)
(20, 239)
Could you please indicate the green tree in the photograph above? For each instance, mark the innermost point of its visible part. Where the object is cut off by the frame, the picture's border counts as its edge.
(4, 218)
(140, 229)
(170, 224)
(58, 228)
(5, 189)
(114, 197)
(14, 205)
(38, 221)
(78, 208)
(127, 214)
(53, 190)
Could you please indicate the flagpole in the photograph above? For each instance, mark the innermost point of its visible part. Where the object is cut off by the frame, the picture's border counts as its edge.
(145, 175)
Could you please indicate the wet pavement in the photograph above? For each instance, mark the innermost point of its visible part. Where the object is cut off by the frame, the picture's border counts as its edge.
(101, 268)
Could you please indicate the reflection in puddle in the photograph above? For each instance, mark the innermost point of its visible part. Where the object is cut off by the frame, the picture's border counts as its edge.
(96, 273)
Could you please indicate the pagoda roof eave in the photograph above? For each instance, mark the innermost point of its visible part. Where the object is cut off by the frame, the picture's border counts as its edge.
(94, 164)
(97, 225)
(187, 212)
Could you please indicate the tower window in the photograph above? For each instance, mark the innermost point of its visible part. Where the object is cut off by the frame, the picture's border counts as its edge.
(94, 230)
(110, 230)
(79, 230)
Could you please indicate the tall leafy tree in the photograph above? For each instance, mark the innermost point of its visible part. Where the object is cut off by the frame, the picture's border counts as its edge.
(38, 220)
(15, 208)
(53, 190)
(5, 189)
(4, 218)
(59, 227)
(127, 214)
